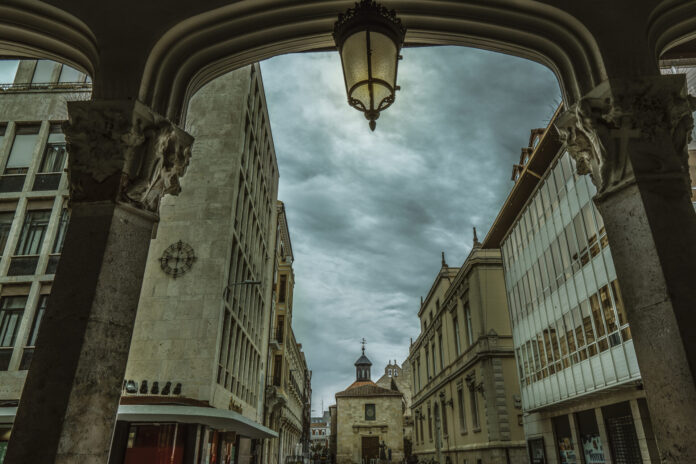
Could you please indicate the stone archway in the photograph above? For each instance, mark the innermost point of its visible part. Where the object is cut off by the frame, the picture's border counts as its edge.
(626, 125)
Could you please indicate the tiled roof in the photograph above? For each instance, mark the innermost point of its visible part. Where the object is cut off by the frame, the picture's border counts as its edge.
(366, 388)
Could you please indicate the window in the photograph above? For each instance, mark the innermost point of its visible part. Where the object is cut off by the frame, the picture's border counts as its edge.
(427, 366)
(53, 259)
(51, 167)
(389, 372)
(68, 74)
(430, 426)
(8, 70)
(433, 355)
(33, 335)
(440, 353)
(5, 225)
(43, 73)
(445, 431)
(33, 232)
(11, 310)
(62, 229)
(22, 149)
(469, 328)
(282, 289)
(29, 244)
(474, 410)
(462, 410)
(370, 414)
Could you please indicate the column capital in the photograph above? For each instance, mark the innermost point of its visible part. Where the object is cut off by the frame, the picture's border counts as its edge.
(628, 130)
(122, 151)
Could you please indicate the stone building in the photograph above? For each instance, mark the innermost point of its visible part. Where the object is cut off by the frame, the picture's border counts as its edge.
(369, 419)
(400, 378)
(466, 398)
(194, 382)
(202, 322)
(287, 395)
(582, 393)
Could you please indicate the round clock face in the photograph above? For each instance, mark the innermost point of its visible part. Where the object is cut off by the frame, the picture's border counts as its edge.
(177, 259)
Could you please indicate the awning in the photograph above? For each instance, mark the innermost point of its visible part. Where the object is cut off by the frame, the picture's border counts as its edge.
(218, 419)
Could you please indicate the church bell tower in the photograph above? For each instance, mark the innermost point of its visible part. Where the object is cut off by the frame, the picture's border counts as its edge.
(362, 366)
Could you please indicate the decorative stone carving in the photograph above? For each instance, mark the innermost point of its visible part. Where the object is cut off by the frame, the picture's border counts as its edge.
(122, 151)
(625, 130)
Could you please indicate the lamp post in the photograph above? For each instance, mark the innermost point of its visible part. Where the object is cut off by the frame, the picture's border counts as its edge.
(369, 38)
(229, 286)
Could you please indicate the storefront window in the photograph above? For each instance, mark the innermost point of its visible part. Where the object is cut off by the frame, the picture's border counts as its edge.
(589, 437)
(155, 444)
(564, 440)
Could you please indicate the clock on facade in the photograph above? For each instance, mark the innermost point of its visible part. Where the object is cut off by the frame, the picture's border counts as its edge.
(177, 259)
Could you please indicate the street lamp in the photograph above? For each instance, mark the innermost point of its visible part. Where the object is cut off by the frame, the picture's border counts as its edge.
(228, 289)
(369, 38)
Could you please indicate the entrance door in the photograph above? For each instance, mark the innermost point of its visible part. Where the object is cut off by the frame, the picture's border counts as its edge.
(370, 449)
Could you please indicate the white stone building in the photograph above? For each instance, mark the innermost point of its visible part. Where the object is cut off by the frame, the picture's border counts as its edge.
(194, 385)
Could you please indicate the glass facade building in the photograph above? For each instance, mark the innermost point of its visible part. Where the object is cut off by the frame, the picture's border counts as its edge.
(570, 330)
(581, 392)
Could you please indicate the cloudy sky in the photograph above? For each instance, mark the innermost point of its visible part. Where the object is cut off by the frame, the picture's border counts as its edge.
(369, 213)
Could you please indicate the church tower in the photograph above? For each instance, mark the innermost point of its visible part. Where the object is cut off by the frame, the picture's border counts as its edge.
(362, 366)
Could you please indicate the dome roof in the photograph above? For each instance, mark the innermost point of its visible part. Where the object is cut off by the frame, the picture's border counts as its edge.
(363, 361)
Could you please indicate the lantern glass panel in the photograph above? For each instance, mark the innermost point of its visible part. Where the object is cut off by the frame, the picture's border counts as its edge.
(384, 56)
(354, 58)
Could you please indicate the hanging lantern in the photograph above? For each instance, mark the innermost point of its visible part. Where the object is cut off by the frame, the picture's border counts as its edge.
(369, 38)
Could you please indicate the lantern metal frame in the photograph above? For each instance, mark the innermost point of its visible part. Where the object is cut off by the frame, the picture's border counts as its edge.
(369, 16)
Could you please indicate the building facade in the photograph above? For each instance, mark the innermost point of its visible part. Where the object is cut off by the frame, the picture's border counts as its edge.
(34, 210)
(369, 419)
(400, 378)
(320, 433)
(288, 395)
(466, 403)
(194, 384)
(581, 386)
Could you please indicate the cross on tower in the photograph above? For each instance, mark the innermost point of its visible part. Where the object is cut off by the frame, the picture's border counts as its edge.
(362, 342)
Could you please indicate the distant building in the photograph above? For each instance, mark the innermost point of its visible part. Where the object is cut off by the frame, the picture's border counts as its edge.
(288, 389)
(320, 432)
(581, 387)
(466, 397)
(400, 378)
(369, 419)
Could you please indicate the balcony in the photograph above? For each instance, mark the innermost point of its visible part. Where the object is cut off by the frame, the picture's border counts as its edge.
(276, 338)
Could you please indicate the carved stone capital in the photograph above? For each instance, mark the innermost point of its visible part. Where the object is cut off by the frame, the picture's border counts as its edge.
(122, 151)
(628, 130)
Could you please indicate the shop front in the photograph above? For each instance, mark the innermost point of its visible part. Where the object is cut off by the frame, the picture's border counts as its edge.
(174, 434)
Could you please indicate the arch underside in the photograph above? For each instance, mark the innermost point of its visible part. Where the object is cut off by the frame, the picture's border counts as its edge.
(264, 29)
(205, 46)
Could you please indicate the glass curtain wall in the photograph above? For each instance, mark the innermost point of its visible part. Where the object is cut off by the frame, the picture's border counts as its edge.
(565, 303)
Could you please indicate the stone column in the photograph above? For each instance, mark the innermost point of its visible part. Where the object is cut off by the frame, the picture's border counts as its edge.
(122, 159)
(631, 136)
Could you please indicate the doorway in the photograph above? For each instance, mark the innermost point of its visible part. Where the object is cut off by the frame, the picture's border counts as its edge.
(370, 449)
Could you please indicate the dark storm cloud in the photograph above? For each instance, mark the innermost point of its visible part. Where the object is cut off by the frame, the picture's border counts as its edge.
(369, 212)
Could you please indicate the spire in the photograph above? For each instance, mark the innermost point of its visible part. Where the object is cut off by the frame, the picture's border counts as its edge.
(362, 342)
(444, 263)
(477, 244)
